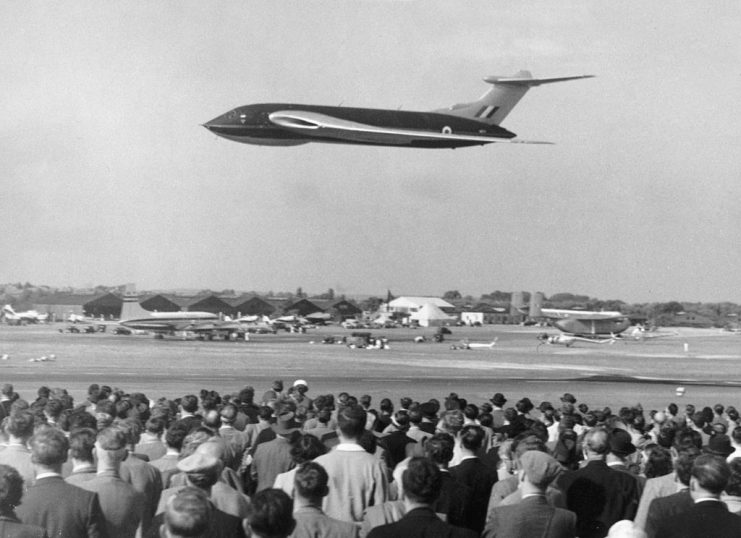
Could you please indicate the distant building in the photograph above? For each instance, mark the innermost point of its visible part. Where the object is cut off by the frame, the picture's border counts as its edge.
(208, 303)
(302, 307)
(339, 309)
(60, 306)
(690, 319)
(166, 302)
(253, 305)
(485, 314)
(411, 304)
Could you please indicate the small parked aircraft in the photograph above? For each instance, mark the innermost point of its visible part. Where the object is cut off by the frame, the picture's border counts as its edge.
(465, 344)
(467, 124)
(22, 318)
(641, 334)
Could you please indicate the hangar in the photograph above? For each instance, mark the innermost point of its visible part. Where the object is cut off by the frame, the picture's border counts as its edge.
(60, 306)
(250, 304)
(337, 309)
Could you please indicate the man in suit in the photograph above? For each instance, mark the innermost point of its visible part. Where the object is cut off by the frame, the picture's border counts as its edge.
(274, 457)
(62, 509)
(599, 496)
(239, 441)
(188, 410)
(663, 509)
(167, 465)
(121, 504)
(11, 491)
(396, 443)
(472, 473)
(422, 482)
(19, 428)
(454, 496)
(81, 447)
(150, 444)
(497, 412)
(708, 517)
(310, 488)
(662, 486)
(141, 475)
(532, 516)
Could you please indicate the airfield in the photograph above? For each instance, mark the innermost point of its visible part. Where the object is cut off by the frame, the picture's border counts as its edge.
(703, 361)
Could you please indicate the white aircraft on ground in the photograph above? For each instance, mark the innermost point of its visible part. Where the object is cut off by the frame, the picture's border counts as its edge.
(642, 334)
(22, 318)
(465, 344)
(82, 318)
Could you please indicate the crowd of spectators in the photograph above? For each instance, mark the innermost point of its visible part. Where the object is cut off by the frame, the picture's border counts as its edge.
(120, 464)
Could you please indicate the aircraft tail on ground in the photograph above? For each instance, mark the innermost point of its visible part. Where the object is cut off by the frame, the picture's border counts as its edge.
(536, 303)
(131, 308)
(499, 101)
(517, 304)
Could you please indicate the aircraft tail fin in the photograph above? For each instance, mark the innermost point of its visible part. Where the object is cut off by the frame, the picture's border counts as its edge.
(536, 303)
(131, 308)
(498, 102)
(517, 305)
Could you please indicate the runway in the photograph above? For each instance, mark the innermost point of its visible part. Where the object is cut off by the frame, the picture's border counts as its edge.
(625, 373)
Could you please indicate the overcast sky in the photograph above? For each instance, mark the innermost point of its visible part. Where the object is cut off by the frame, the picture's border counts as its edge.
(108, 177)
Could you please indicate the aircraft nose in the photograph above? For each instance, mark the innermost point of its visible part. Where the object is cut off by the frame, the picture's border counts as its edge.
(212, 124)
(227, 120)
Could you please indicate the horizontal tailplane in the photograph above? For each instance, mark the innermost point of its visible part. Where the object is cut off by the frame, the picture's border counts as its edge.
(498, 102)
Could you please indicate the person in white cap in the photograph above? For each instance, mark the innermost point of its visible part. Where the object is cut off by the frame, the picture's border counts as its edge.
(298, 395)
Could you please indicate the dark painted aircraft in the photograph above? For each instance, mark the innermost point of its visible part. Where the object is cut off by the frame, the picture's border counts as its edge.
(467, 124)
(583, 323)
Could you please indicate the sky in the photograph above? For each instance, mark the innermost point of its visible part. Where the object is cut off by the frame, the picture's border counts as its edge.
(109, 178)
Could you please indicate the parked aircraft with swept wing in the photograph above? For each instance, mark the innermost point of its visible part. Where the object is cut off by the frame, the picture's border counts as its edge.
(21, 318)
(467, 124)
(206, 324)
(583, 323)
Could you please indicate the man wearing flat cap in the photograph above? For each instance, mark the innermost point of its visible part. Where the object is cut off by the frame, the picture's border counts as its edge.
(532, 516)
(202, 470)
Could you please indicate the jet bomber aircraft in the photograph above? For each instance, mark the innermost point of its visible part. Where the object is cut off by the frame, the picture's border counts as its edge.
(467, 124)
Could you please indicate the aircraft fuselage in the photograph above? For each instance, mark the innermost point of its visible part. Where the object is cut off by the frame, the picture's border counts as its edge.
(592, 327)
(252, 124)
